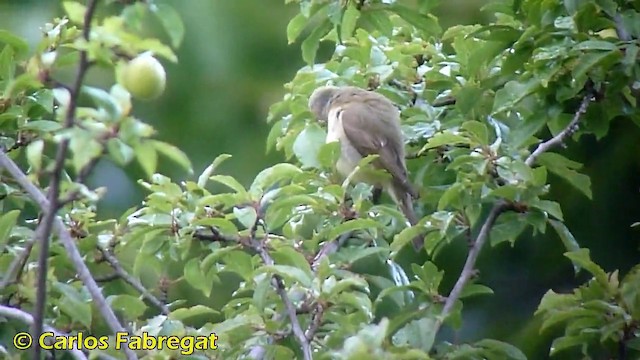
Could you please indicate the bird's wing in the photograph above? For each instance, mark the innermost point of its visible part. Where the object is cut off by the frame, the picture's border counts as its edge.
(375, 140)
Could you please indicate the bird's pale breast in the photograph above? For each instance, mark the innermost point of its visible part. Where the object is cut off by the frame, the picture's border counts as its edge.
(349, 156)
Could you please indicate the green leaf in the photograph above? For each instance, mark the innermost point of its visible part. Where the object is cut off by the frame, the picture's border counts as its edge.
(475, 289)
(147, 157)
(204, 177)
(75, 11)
(7, 63)
(173, 153)
(120, 152)
(295, 27)
(84, 148)
(351, 225)
(630, 291)
(509, 228)
(587, 62)
(19, 45)
(512, 93)
(289, 256)
(478, 130)
(7, 222)
(171, 21)
(596, 45)
(246, 215)
(425, 22)
(329, 154)
(34, 154)
(42, 126)
(349, 21)
(565, 168)
(271, 176)
(308, 144)
(132, 307)
(509, 351)
(550, 207)
(196, 278)
(200, 311)
(312, 42)
(581, 258)
(288, 272)
(566, 237)
(444, 138)
(566, 342)
(73, 304)
(229, 181)
(104, 100)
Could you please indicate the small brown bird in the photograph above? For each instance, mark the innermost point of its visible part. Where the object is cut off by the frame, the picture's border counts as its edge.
(367, 123)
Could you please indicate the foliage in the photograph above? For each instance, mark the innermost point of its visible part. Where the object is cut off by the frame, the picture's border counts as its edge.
(301, 263)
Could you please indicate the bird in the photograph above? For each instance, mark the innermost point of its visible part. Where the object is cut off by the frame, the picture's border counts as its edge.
(367, 123)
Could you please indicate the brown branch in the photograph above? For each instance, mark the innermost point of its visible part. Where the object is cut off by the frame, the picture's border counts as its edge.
(329, 248)
(468, 270)
(69, 244)
(569, 130)
(278, 283)
(445, 101)
(124, 275)
(106, 278)
(44, 229)
(469, 266)
(26, 318)
(316, 321)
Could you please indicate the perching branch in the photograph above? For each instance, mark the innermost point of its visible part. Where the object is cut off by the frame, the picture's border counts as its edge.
(26, 318)
(501, 206)
(67, 241)
(44, 228)
(124, 275)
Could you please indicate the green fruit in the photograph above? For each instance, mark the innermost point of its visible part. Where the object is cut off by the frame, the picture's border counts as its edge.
(144, 77)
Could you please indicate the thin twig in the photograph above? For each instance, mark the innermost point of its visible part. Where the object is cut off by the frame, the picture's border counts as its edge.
(445, 101)
(67, 241)
(316, 321)
(44, 229)
(106, 278)
(569, 130)
(124, 275)
(26, 318)
(281, 289)
(278, 283)
(329, 248)
(15, 268)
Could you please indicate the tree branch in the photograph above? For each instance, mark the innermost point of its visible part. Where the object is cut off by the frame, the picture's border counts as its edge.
(501, 206)
(44, 229)
(124, 275)
(281, 290)
(26, 318)
(569, 130)
(469, 265)
(67, 241)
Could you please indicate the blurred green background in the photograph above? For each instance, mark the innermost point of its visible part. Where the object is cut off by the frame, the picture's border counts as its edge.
(233, 64)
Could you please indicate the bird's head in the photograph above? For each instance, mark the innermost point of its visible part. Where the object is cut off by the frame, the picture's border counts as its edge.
(319, 101)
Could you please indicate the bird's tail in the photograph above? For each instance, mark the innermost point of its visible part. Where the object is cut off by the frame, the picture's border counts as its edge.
(405, 203)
